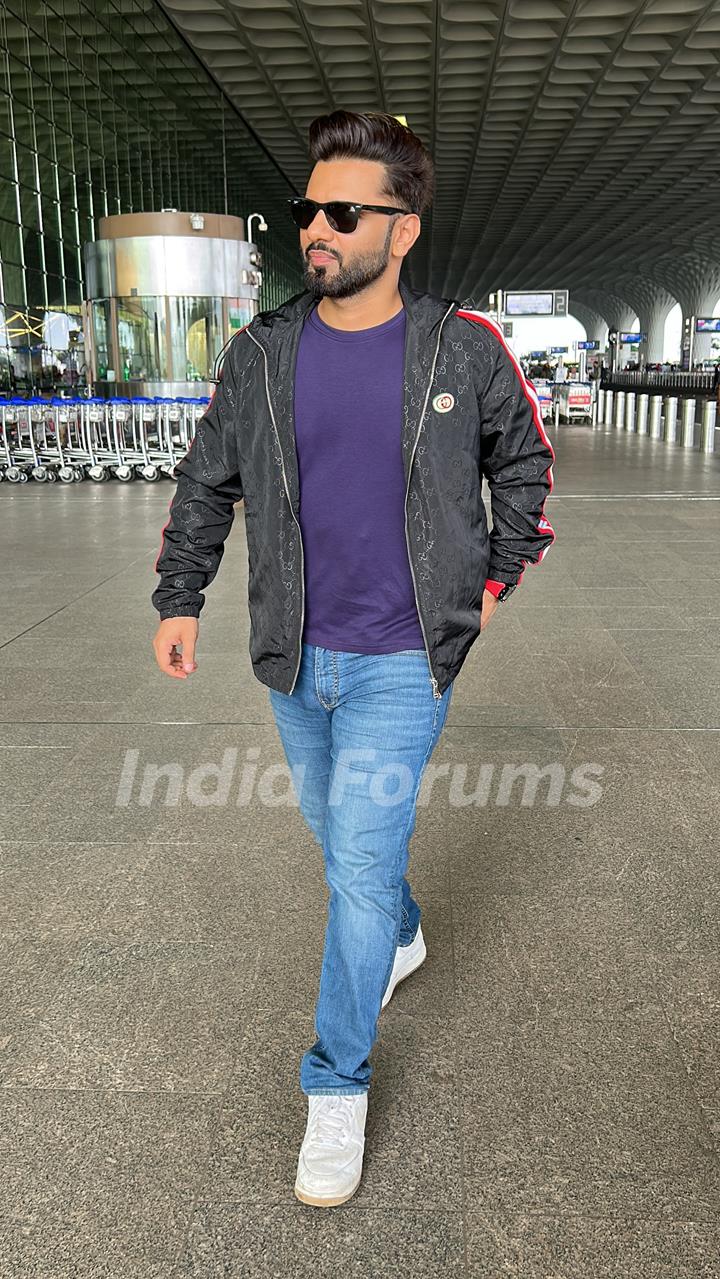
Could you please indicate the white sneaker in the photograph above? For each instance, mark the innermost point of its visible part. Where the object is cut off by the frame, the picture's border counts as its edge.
(331, 1155)
(407, 959)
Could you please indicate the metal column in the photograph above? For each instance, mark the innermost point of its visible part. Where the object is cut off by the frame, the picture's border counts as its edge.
(607, 416)
(599, 407)
(619, 410)
(641, 425)
(656, 417)
(630, 411)
(707, 427)
(687, 430)
(671, 406)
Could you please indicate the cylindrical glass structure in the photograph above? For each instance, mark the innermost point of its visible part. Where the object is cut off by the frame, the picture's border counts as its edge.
(165, 293)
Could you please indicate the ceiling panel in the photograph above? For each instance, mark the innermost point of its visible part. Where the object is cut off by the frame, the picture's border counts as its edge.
(576, 142)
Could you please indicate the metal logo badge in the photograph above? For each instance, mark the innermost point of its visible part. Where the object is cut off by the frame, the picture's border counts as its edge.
(443, 402)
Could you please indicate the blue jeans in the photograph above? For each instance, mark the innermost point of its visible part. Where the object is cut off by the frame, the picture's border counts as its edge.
(358, 731)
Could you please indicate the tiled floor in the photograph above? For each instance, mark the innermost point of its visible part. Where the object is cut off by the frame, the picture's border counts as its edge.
(546, 1092)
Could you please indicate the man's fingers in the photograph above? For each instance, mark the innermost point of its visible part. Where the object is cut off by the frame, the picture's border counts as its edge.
(168, 659)
(172, 635)
(188, 653)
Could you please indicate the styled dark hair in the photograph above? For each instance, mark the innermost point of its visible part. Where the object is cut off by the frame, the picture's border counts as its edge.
(373, 135)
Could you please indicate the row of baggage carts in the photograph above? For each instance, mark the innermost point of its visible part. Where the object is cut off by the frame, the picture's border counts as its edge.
(46, 440)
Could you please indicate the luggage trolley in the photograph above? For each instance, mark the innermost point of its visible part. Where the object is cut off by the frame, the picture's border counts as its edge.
(198, 408)
(10, 417)
(95, 436)
(69, 439)
(27, 431)
(127, 455)
(65, 450)
(147, 443)
(167, 414)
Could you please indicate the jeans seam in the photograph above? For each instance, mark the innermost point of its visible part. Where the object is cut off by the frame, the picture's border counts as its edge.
(318, 694)
(336, 680)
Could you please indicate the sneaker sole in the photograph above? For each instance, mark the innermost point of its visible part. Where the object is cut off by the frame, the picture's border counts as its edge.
(318, 1201)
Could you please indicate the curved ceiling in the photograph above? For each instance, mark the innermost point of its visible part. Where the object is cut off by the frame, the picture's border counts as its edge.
(576, 142)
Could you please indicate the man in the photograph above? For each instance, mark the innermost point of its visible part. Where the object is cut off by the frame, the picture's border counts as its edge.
(357, 421)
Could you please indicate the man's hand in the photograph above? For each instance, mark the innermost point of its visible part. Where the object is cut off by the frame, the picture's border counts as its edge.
(174, 632)
(489, 604)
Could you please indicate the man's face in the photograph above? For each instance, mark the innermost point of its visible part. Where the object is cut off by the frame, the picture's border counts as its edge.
(356, 259)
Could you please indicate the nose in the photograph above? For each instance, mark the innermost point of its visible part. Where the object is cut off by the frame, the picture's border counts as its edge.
(319, 228)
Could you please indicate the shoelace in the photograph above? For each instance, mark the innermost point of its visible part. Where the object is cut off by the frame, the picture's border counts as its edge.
(331, 1124)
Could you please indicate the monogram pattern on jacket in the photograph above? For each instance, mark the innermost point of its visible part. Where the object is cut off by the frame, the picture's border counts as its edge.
(245, 446)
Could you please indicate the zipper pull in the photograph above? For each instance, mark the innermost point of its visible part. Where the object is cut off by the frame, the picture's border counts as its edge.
(434, 683)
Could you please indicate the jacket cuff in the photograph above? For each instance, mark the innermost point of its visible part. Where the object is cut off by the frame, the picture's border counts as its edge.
(180, 610)
(495, 587)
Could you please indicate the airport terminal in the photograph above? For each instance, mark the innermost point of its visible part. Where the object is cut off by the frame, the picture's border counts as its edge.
(360, 715)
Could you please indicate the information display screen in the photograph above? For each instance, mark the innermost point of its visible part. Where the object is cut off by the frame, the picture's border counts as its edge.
(529, 303)
(711, 324)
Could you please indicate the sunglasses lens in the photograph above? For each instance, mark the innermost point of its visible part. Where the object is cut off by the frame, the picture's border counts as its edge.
(303, 212)
(342, 217)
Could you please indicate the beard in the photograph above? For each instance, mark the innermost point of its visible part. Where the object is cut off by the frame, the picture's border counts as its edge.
(347, 279)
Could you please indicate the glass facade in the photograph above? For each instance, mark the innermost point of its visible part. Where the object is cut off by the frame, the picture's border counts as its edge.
(103, 110)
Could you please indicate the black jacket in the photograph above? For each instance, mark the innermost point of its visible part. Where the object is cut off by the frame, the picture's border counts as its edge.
(468, 412)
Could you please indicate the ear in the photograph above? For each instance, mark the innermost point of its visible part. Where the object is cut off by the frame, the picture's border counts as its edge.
(405, 232)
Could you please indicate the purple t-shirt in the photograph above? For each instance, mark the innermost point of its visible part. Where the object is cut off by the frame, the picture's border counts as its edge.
(359, 595)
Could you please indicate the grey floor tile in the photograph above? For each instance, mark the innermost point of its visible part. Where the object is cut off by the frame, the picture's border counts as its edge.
(302, 1243)
(705, 745)
(140, 781)
(537, 955)
(137, 1018)
(53, 891)
(88, 1253)
(101, 1162)
(535, 1246)
(571, 1115)
(688, 986)
(29, 972)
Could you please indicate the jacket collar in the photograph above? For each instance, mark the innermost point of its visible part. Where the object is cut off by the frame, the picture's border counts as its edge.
(278, 333)
(423, 311)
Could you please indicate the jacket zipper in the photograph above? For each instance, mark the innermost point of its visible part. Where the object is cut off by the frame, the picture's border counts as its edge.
(433, 680)
(292, 512)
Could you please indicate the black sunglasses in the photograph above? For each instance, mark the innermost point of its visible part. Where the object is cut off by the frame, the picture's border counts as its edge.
(341, 214)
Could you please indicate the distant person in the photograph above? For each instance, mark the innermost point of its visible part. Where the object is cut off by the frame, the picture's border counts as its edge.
(357, 421)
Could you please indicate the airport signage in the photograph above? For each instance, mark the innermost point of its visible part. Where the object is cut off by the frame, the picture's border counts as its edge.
(550, 302)
(561, 303)
(558, 350)
(707, 324)
(632, 339)
(588, 346)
